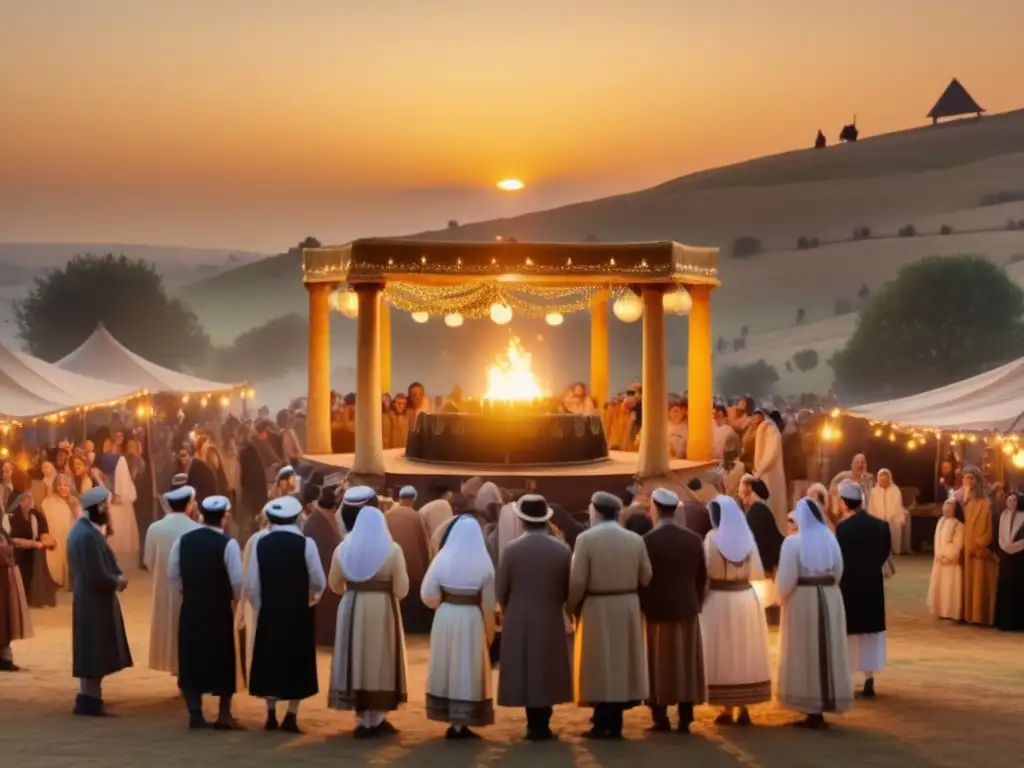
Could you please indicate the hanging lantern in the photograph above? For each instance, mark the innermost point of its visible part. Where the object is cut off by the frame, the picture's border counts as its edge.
(420, 317)
(1009, 448)
(345, 302)
(554, 318)
(501, 313)
(1018, 460)
(677, 302)
(453, 320)
(628, 307)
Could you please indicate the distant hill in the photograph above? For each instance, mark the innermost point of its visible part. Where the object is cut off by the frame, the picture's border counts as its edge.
(929, 177)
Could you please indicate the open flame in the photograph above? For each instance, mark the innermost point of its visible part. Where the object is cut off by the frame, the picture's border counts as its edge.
(510, 377)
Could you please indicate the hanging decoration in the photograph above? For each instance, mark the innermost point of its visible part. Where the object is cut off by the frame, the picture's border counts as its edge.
(677, 302)
(628, 307)
(501, 314)
(420, 317)
(453, 320)
(554, 318)
(345, 302)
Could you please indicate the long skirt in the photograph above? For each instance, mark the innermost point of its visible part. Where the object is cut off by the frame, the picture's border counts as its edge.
(675, 663)
(15, 619)
(1010, 594)
(40, 588)
(814, 666)
(368, 667)
(735, 635)
(459, 671)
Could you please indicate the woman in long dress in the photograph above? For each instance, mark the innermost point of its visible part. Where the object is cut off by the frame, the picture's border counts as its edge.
(979, 561)
(27, 529)
(946, 588)
(61, 509)
(368, 669)
(15, 619)
(123, 537)
(886, 503)
(735, 633)
(459, 585)
(814, 666)
(1010, 587)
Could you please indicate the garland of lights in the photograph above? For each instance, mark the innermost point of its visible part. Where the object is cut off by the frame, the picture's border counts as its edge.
(476, 300)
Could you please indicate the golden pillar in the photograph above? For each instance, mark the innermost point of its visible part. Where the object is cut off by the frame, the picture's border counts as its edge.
(385, 345)
(318, 393)
(599, 347)
(653, 460)
(700, 378)
(369, 455)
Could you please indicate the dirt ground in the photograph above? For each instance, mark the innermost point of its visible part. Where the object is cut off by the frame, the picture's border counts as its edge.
(951, 696)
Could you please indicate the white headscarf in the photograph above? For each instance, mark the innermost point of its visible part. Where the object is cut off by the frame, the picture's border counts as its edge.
(489, 493)
(463, 562)
(732, 535)
(366, 547)
(819, 550)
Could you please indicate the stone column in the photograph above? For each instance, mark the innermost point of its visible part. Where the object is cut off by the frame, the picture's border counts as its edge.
(369, 456)
(318, 394)
(599, 348)
(385, 345)
(700, 378)
(653, 461)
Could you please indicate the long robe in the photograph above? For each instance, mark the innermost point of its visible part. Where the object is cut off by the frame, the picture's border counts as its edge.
(946, 586)
(768, 467)
(40, 589)
(15, 619)
(609, 566)
(887, 504)
(322, 528)
(368, 664)
(99, 644)
(979, 562)
(166, 599)
(865, 543)
(124, 541)
(1009, 615)
(408, 529)
(59, 518)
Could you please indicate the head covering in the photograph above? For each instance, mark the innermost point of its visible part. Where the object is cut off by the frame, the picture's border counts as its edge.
(665, 498)
(819, 550)
(181, 493)
(850, 491)
(471, 486)
(979, 482)
(407, 492)
(179, 480)
(488, 494)
(436, 513)
(605, 499)
(285, 472)
(532, 508)
(463, 562)
(94, 497)
(358, 495)
(731, 534)
(819, 493)
(215, 505)
(366, 547)
(284, 509)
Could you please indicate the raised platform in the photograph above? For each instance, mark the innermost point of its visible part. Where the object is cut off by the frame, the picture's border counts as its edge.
(569, 485)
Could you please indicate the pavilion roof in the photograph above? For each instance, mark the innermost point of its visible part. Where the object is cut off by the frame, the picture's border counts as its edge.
(955, 100)
(383, 260)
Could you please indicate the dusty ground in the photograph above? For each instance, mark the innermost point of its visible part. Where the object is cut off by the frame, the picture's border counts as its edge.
(951, 696)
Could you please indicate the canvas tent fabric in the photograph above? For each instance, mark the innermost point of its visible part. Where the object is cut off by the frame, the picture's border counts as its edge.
(989, 402)
(954, 101)
(101, 355)
(30, 388)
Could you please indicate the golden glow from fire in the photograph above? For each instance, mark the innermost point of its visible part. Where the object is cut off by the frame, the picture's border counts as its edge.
(510, 378)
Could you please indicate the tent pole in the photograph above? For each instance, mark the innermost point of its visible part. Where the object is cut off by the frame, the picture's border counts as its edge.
(149, 459)
(938, 466)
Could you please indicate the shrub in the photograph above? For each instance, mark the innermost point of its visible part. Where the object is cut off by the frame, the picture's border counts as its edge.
(801, 315)
(907, 231)
(862, 233)
(863, 294)
(806, 360)
(1011, 224)
(843, 306)
(453, 224)
(945, 229)
(745, 246)
(814, 242)
(802, 243)
(1002, 196)
(756, 379)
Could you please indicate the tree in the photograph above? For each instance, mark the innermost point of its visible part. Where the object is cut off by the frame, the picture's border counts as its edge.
(806, 360)
(801, 315)
(754, 379)
(126, 295)
(453, 224)
(267, 350)
(944, 318)
(745, 246)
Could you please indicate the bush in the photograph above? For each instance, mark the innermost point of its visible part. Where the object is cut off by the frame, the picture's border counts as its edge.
(863, 294)
(1002, 196)
(815, 242)
(801, 315)
(945, 229)
(745, 246)
(1011, 224)
(862, 233)
(843, 306)
(453, 224)
(908, 231)
(806, 360)
(803, 243)
(755, 379)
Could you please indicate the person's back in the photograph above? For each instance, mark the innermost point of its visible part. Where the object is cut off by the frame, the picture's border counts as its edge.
(284, 578)
(677, 564)
(864, 542)
(206, 586)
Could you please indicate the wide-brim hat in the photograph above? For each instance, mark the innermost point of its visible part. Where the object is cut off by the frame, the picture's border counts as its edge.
(533, 508)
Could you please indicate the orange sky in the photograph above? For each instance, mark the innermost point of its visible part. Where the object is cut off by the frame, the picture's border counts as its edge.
(251, 123)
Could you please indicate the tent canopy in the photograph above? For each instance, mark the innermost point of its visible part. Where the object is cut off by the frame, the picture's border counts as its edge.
(31, 388)
(101, 355)
(989, 402)
(955, 101)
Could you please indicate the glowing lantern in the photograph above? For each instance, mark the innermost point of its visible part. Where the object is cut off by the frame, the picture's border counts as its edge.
(420, 317)
(677, 302)
(453, 320)
(1018, 460)
(1009, 448)
(345, 302)
(554, 318)
(628, 307)
(501, 313)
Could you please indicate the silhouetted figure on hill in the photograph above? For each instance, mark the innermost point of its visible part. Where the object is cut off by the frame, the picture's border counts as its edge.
(849, 132)
(820, 142)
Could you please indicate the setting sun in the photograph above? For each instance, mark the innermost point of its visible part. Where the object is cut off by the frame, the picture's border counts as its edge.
(510, 185)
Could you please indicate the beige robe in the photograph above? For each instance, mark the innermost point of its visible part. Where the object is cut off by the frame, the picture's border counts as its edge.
(887, 504)
(946, 586)
(980, 567)
(609, 565)
(768, 466)
(60, 516)
(368, 665)
(166, 601)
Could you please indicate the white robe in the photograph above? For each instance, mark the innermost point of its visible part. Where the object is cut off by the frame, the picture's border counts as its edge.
(125, 541)
(166, 604)
(946, 588)
(887, 504)
(769, 468)
(59, 519)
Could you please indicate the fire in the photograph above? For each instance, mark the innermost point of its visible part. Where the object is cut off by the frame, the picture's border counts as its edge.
(511, 378)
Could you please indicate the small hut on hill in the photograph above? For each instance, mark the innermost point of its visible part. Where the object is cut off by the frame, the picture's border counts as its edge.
(954, 102)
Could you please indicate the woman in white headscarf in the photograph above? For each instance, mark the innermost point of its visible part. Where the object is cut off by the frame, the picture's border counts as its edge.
(886, 503)
(814, 667)
(368, 667)
(459, 585)
(732, 620)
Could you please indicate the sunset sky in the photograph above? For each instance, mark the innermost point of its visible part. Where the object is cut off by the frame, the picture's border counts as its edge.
(252, 123)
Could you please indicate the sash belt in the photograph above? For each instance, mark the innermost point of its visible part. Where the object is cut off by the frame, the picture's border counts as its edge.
(816, 581)
(722, 585)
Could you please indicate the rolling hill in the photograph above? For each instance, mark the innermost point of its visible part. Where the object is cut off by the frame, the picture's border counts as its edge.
(948, 175)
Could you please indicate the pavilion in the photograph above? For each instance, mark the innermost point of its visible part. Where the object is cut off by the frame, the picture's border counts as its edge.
(468, 279)
(954, 102)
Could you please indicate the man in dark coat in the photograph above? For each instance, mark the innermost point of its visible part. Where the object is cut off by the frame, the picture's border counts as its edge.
(283, 580)
(99, 644)
(866, 544)
(531, 588)
(205, 565)
(201, 477)
(322, 527)
(752, 496)
(671, 604)
(258, 465)
(408, 528)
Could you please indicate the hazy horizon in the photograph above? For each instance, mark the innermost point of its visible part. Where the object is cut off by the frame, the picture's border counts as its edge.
(250, 124)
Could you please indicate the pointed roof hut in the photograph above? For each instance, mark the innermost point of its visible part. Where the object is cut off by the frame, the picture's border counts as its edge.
(953, 102)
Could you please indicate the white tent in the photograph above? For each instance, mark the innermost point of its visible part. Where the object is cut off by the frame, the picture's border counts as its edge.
(989, 402)
(31, 388)
(104, 356)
